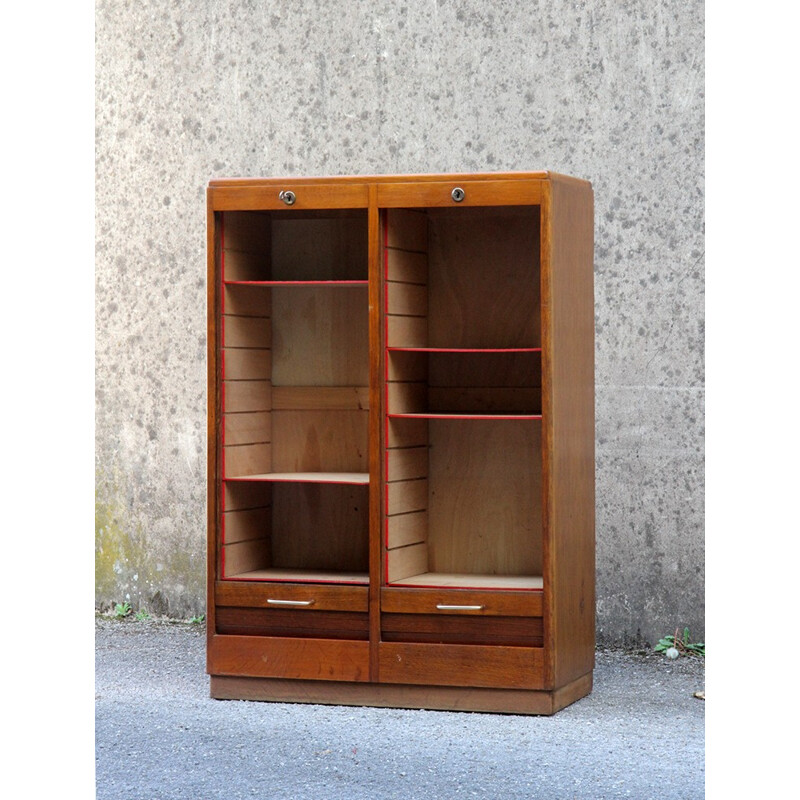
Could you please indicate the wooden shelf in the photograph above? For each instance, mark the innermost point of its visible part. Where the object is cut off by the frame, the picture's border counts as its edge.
(463, 581)
(464, 349)
(358, 478)
(462, 415)
(302, 576)
(323, 284)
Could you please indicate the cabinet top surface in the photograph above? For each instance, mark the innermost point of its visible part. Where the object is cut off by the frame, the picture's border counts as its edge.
(262, 181)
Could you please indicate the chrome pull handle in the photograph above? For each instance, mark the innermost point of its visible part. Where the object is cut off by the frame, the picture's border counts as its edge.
(272, 602)
(443, 607)
(458, 194)
(288, 197)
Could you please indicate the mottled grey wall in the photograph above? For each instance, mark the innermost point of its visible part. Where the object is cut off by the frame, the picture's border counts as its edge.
(609, 90)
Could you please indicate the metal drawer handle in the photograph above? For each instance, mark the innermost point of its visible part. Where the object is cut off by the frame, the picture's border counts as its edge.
(272, 602)
(288, 197)
(442, 607)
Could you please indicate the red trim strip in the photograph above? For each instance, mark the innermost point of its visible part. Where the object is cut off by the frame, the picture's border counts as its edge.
(254, 479)
(405, 585)
(298, 582)
(428, 415)
(464, 349)
(297, 283)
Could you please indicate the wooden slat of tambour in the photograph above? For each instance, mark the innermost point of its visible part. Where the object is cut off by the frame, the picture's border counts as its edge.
(407, 433)
(462, 629)
(246, 495)
(248, 301)
(400, 600)
(407, 398)
(247, 524)
(246, 331)
(407, 299)
(406, 266)
(485, 399)
(304, 623)
(476, 193)
(247, 459)
(474, 580)
(247, 427)
(320, 397)
(255, 198)
(320, 440)
(407, 366)
(407, 331)
(407, 496)
(407, 230)
(325, 597)
(247, 396)
(406, 463)
(268, 656)
(245, 364)
(462, 665)
(405, 561)
(405, 529)
(245, 556)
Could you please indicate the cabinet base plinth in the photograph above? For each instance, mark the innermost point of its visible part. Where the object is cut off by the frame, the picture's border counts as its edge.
(437, 698)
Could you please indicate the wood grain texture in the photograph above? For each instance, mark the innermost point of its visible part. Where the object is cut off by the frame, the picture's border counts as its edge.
(303, 624)
(568, 367)
(415, 193)
(441, 698)
(462, 665)
(424, 601)
(451, 628)
(310, 659)
(325, 597)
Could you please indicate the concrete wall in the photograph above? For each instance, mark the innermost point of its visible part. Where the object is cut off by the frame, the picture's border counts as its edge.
(609, 90)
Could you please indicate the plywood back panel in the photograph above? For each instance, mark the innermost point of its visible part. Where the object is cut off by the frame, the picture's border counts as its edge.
(483, 278)
(320, 336)
(316, 248)
(320, 441)
(320, 526)
(484, 508)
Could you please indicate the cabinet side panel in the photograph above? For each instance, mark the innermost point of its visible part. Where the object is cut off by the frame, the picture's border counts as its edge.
(212, 399)
(571, 460)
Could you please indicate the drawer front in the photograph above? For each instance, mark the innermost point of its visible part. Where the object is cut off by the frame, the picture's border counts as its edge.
(462, 629)
(398, 600)
(274, 197)
(275, 657)
(474, 193)
(461, 665)
(291, 596)
(234, 620)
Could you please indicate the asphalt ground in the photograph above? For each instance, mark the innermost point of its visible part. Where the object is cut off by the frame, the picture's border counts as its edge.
(158, 735)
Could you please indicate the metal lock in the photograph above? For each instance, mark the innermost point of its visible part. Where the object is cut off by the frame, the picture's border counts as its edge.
(288, 197)
(457, 194)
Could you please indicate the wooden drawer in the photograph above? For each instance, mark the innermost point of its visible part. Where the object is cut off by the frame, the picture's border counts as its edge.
(398, 600)
(275, 657)
(462, 629)
(290, 596)
(461, 665)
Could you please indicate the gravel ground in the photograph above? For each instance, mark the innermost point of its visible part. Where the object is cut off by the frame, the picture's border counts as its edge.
(639, 735)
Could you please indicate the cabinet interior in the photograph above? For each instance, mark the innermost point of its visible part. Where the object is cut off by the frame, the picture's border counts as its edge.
(463, 402)
(295, 395)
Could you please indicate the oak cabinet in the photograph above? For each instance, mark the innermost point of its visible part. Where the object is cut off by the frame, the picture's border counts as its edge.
(401, 440)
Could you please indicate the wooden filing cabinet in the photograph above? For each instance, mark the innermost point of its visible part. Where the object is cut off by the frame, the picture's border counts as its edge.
(401, 440)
